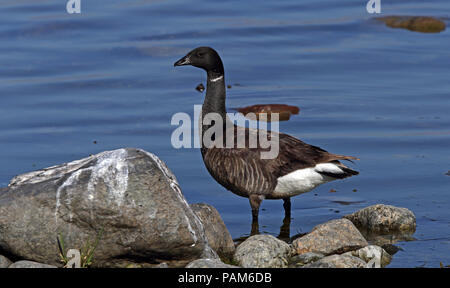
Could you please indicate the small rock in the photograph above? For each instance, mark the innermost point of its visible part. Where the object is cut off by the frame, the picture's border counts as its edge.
(335, 236)
(382, 218)
(319, 264)
(30, 264)
(448, 173)
(262, 251)
(215, 230)
(209, 263)
(133, 265)
(414, 23)
(4, 262)
(370, 252)
(305, 258)
(200, 88)
(338, 261)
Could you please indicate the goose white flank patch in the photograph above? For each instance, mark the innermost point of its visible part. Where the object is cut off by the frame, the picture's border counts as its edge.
(298, 167)
(304, 180)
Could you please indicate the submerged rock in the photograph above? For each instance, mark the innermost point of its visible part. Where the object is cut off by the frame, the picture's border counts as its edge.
(383, 240)
(384, 219)
(126, 197)
(262, 251)
(254, 112)
(335, 236)
(338, 261)
(200, 88)
(422, 24)
(216, 232)
(209, 263)
(30, 264)
(391, 249)
(4, 262)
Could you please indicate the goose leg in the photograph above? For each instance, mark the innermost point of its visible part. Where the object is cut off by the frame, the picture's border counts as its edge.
(285, 229)
(255, 202)
(255, 228)
(287, 207)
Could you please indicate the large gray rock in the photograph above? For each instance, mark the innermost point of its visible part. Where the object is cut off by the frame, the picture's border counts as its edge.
(335, 236)
(338, 261)
(4, 262)
(209, 263)
(216, 232)
(262, 251)
(382, 218)
(128, 194)
(30, 264)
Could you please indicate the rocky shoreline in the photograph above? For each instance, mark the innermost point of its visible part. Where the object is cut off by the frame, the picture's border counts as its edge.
(124, 208)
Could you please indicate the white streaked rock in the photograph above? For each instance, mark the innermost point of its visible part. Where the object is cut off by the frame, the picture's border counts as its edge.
(128, 194)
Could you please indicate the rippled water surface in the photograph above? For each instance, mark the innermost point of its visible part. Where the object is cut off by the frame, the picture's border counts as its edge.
(364, 89)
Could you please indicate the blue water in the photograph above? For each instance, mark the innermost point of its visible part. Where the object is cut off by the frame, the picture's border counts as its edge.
(364, 89)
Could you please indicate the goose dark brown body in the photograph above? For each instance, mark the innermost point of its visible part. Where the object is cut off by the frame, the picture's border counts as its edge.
(242, 170)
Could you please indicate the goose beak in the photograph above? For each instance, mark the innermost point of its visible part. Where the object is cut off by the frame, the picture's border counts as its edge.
(183, 61)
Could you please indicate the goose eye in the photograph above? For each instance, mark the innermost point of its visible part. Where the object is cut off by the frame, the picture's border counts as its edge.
(200, 54)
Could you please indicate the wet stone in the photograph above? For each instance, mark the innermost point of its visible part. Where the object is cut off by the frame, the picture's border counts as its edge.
(335, 236)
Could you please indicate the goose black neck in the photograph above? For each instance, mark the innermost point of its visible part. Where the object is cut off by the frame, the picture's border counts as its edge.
(215, 94)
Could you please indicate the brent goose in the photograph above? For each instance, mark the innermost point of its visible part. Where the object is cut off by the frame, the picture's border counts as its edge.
(298, 168)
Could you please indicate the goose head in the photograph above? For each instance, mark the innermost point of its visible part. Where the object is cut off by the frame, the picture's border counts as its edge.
(202, 57)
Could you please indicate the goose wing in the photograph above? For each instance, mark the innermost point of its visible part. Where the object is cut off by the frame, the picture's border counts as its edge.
(240, 170)
(296, 154)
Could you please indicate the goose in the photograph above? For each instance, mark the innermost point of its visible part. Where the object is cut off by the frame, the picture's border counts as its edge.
(298, 168)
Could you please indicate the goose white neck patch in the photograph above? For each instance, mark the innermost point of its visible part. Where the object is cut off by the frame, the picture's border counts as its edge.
(217, 79)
